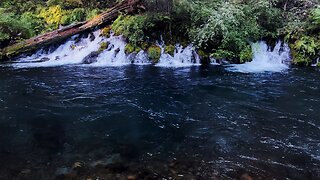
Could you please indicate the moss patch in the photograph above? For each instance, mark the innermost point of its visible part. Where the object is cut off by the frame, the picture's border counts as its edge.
(169, 49)
(105, 32)
(154, 53)
(103, 46)
(130, 48)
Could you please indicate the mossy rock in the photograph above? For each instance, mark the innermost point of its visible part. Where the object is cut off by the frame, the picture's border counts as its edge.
(73, 46)
(103, 46)
(106, 32)
(154, 53)
(131, 48)
(145, 45)
(169, 49)
(204, 56)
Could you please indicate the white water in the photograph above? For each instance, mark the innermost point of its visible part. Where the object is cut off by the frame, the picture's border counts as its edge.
(265, 60)
(183, 57)
(74, 53)
(71, 52)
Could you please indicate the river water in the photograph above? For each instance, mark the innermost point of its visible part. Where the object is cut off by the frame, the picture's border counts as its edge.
(150, 122)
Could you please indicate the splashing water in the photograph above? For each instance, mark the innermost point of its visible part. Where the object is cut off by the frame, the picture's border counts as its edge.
(183, 57)
(114, 55)
(84, 52)
(71, 52)
(265, 59)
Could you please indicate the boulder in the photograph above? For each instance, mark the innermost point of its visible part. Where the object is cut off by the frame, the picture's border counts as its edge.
(91, 58)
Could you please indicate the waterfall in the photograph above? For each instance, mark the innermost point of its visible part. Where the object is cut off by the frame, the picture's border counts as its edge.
(265, 59)
(182, 57)
(71, 52)
(85, 52)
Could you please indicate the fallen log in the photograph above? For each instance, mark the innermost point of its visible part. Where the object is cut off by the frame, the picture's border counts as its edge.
(127, 6)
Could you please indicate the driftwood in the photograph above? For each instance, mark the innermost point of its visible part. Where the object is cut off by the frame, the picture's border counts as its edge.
(127, 6)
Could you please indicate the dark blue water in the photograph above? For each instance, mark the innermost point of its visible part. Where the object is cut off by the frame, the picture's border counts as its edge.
(152, 123)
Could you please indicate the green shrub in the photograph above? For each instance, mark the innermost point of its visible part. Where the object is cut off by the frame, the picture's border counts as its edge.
(14, 28)
(53, 15)
(132, 27)
(223, 54)
(75, 15)
(91, 13)
(315, 16)
(65, 3)
(304, 50)
(35, 24)
(246, 54)
(154, 53)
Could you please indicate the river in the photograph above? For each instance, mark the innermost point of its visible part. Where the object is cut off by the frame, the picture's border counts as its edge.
(150, 122)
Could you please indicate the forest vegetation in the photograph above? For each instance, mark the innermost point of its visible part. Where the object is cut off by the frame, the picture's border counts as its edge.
(222, 29)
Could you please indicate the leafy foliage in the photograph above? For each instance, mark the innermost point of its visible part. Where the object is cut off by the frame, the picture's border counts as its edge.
(132, 27)
(13, 28)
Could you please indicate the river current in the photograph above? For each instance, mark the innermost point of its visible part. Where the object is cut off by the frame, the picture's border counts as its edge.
(150, 122)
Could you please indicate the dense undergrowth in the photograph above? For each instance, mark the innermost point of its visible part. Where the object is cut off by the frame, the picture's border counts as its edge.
(221, 28)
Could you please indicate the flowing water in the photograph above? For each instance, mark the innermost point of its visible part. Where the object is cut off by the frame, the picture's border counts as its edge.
(113, 119)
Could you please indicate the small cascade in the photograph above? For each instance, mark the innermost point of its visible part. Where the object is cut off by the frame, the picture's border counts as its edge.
(71, 52)
(115, 54)
(85, 52)
(265, 59)
(182, 57)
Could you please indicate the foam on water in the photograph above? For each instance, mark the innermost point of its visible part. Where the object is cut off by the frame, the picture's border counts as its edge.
(265, 59)
(71, 52)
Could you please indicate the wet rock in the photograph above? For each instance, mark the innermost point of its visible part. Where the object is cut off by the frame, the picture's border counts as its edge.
(85, 35)
(92, 37)
(44, 59)
(91, 58)
(110, 47)
(132, 57)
